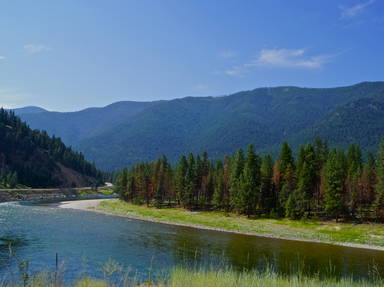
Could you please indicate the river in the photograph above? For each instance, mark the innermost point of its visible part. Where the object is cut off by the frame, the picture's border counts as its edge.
(85, 240)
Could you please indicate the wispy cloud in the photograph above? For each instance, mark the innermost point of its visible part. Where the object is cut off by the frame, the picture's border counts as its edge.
(281, 58)
(235, 70)
(2, 57)
(227, 54)
(352, 11)
(36, 48)
(295, 58)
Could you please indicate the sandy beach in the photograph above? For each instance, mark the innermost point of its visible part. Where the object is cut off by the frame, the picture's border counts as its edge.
(85, 204)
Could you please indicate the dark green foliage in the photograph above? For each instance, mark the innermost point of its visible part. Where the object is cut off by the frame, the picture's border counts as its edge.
(267, 189)
(73, 127)
(287, 177)
(32, 158)
(307, 181)
(321, 184)
(334, 199)
(360, 121)
(379, 204)
(249, 184)
(237, 169)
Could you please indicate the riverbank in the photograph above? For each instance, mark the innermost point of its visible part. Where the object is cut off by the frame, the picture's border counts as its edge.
(368, 235)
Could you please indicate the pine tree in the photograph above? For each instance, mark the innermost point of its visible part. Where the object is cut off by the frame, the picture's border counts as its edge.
(249, 193)
(121, 185)
(368, 181)
(286, 159)
(379, 203)
(237, 166)
(217, 200)
(334, 193)
(307, 182)
(288, 178)
(354, 192)
(268, 196)
(287, 189)
(181, 181)
(191, 179)
(132, 188)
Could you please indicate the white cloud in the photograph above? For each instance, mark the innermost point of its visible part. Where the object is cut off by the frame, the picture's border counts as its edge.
(2, 57)
(235, 71)
(227, 54)
(294, 58)
(36, 48)
(352, 11)
(281, 58)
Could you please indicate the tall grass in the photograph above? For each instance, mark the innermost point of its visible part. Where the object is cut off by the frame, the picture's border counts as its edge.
(181, 277)
(199, 277)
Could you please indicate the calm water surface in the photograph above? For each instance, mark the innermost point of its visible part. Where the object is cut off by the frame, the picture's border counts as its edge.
(85, 240)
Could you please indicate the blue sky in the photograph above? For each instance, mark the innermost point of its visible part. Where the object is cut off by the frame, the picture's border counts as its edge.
(68, 55)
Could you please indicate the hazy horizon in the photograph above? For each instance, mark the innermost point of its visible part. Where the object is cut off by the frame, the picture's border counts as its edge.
(102, 106)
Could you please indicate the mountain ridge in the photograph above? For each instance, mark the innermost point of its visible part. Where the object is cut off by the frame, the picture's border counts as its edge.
(136, 131)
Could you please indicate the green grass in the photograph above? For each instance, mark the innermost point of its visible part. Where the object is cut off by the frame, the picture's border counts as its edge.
(85, 192)
(368, 233)
(106, 191)
(226, 278)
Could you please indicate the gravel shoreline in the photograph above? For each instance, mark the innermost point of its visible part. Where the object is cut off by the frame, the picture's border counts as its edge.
(91, 204)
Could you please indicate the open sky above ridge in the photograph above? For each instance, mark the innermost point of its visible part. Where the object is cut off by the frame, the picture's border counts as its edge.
(68, 55)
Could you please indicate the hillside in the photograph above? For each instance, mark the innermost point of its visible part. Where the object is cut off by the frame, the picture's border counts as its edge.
(73, 127)
(32, 158)
(29, 110)
(221, 125)
(360, 122)
(218, 125)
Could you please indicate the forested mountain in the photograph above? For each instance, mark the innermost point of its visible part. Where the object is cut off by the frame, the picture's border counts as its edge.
(220, 125)
(73, 127)
(360, 122)
(32, 158)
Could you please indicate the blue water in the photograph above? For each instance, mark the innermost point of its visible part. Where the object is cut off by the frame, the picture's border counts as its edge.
(85, 240)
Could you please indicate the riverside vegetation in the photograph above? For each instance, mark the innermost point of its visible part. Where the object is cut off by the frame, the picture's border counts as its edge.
(349, 234)
(113, 275)
(318, 183)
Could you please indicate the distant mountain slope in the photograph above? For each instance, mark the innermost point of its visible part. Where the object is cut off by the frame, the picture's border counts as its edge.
(127, 132)
(360, 121)
(73, 127)
(29, 110)
(221, 125)
(33, 159)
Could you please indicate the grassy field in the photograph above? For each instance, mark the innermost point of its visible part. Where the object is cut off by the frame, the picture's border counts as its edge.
(368, 234)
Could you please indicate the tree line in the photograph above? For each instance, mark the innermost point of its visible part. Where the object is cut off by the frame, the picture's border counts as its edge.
(318, 182)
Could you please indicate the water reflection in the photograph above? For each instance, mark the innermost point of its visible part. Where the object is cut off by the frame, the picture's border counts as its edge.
(37, 233)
